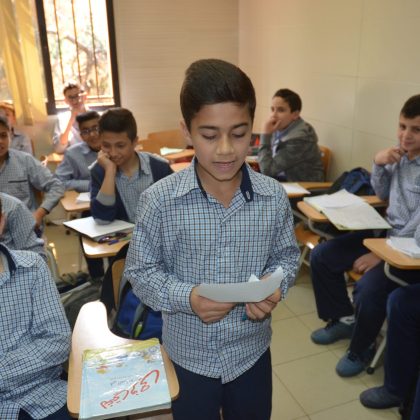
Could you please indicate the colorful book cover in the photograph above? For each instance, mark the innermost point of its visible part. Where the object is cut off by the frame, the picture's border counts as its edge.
(123, 380)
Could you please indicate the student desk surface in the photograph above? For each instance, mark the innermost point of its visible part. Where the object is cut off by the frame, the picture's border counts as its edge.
(94, 249)
(90, 332)
(69, 202)
(186, 154)
(390, 255)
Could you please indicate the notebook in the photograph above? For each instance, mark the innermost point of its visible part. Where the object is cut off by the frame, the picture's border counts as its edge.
(88, 227)
(123, 380)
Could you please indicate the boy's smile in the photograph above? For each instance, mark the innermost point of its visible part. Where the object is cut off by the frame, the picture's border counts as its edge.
(409, 135)
(221, 135)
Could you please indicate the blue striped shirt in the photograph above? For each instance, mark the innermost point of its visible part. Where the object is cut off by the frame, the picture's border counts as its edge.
(35, 337)
(399, 183)
(184, 237)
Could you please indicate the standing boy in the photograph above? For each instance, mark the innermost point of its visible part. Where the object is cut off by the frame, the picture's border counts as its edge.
(121, 174)
(18, 140)
(74, 171)
(21, 175)
(217, 221)
(396, 179)
(289, 145)
(35, 338)
(66, 130)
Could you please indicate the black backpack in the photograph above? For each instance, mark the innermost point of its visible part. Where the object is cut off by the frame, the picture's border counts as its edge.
(356, 181)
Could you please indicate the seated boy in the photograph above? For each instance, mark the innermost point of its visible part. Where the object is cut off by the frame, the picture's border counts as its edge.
(289, 145)
(21, 175)
(74, 171)
(19, 227)
(35, 339)
(402, 357)
(216, 221)
(66, 130)
(121, 174)
(18, 140)
(396, 178)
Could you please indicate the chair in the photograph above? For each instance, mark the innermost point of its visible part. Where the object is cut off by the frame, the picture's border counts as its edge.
(148, 145)
(168, 138)
(307, 240)
(326, 159)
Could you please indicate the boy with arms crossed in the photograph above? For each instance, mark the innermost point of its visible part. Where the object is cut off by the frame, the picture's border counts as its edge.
(217, 221)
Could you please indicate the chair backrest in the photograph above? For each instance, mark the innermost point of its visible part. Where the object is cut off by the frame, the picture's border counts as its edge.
(117, 272)
(168, 138)
(148, 145)
(326, 159)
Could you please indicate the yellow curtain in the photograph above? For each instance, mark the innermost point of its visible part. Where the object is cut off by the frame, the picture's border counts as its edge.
(21, 60)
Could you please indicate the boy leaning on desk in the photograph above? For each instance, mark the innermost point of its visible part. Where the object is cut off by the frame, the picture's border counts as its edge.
(217, 221)
(396, 178)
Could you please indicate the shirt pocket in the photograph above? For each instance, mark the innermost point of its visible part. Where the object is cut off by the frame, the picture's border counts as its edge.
(19, 189)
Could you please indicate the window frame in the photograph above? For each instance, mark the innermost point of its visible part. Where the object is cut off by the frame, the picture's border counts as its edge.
(50, 100)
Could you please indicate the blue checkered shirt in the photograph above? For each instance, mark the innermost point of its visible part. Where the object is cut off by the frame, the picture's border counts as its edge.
(21, 173)
(184, 237)
(74, 171)
(400, 184)
(19, 231)
(35, 338)
(21, 141)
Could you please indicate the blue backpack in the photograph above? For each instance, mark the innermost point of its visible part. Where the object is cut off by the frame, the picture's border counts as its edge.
(356, 181)
(136, 320)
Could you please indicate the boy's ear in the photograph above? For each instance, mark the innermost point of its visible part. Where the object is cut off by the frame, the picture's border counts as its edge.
(186, 132)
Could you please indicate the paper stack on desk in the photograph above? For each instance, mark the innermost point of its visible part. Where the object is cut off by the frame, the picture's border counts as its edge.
(347, 211)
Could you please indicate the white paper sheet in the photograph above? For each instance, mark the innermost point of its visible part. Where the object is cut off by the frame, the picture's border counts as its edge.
(83, 197)
(407, 246)
(168, 150)
(339, 199)
(294, 188)
(253, 290)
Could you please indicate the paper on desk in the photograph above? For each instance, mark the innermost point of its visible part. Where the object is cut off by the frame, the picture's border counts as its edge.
(168, 150)
(294, 188)
(407, 246)
(83, 197)
(251, 291)
(339, 199)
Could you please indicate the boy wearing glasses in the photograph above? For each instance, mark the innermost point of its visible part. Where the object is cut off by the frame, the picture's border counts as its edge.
(73, 171)
(66, 131)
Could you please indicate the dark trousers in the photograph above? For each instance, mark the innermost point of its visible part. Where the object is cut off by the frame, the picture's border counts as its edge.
(329, 261)
(61, 414)
(402, 359)
(248, 397)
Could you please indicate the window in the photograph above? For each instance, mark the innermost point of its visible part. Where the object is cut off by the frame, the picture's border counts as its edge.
(78, 44)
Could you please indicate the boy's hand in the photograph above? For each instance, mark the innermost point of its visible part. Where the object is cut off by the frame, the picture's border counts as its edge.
(261, 310)
(365, 263)
(39, 215)
(208, 310)
(388, 156)
(270, 125)
(106, 163)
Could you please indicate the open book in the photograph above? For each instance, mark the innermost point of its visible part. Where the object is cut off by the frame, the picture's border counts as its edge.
(407, 246)
(347, 211)
(88, 227)
(123, 380)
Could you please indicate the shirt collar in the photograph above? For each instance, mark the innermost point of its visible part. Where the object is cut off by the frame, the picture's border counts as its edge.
(9, 257)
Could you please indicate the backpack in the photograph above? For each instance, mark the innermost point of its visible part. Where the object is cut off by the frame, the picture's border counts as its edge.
(356, 181)
(134, 319)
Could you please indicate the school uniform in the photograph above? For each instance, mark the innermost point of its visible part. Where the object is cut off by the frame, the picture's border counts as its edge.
(20, 141)
(35, 338)
(184, 237)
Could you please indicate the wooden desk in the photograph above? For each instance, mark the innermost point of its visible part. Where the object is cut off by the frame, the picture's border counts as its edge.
(91, 332)
(390, 255)
(186, 154)
(55, 158)
(69, 202)
(315, 185)
(93, 249)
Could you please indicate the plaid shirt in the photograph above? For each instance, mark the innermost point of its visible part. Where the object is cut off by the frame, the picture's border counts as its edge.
(19, 231)
(400, 184)
(35, 337)
(184, 237)
(74, 171)
(21, 174)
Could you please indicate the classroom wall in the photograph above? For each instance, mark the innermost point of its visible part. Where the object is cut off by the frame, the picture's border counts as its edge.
(354, 62)
(157, 40)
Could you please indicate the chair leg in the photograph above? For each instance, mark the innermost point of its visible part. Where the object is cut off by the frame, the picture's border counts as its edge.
(380, 350)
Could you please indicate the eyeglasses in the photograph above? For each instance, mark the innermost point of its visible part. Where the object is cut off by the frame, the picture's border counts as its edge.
(92, 130)
(74, 97)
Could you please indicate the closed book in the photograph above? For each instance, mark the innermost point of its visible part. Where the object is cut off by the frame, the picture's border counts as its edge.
(123, 380)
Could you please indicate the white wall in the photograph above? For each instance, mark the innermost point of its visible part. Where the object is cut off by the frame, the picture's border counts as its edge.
(354, 63)
(157, 40)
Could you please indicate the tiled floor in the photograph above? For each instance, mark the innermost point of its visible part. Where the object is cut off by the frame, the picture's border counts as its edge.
(305, 383)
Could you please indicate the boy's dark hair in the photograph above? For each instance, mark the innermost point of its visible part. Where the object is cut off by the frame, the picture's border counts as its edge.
(213, 81)
(118, 120)
(71, 85)
(292, 99)
(86, 116)
(411, 108)
(4, 121)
